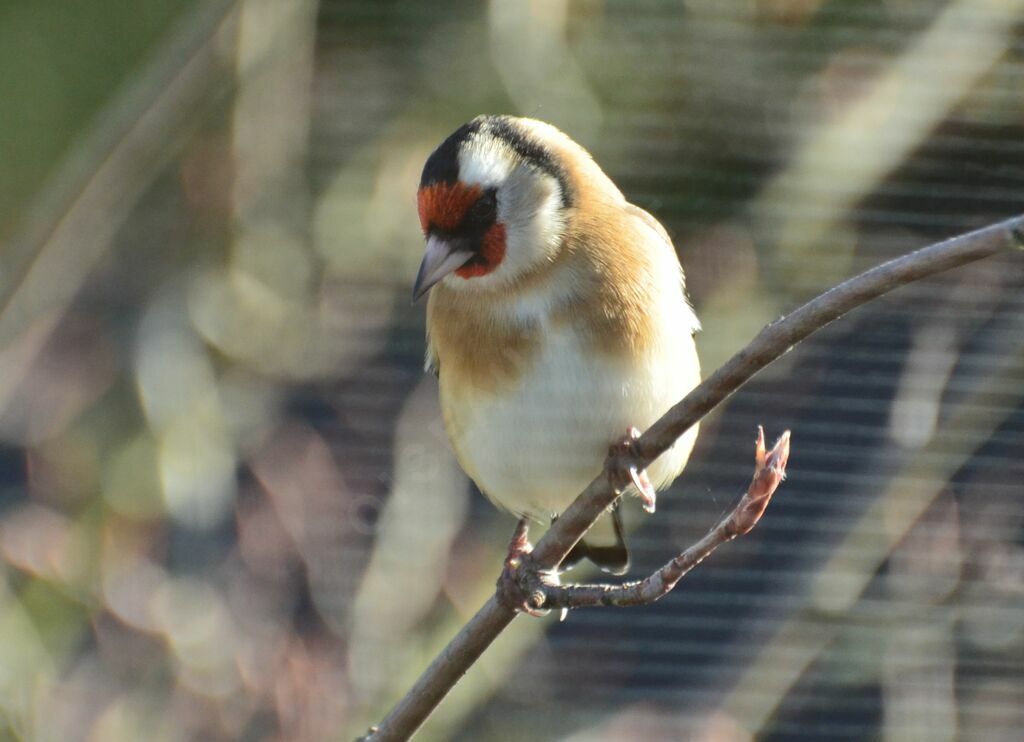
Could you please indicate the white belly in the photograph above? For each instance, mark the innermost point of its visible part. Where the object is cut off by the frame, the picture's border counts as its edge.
(533, 448)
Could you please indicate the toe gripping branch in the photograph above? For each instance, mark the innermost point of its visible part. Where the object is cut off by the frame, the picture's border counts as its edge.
(524, 588)
(623, 470)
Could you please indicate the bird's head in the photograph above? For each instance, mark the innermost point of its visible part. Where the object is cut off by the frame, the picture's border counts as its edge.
(493, 203)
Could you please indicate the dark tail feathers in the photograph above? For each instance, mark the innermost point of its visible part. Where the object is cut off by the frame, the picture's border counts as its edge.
(612, 558)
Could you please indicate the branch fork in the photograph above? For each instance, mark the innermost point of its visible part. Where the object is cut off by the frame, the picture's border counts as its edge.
(528, 589)
(522, 585)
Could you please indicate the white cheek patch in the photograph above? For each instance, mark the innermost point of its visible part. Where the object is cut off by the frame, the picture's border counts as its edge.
(530, 207)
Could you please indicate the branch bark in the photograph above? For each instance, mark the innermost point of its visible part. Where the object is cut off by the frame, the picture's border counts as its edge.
(772, 342)
(769, 471)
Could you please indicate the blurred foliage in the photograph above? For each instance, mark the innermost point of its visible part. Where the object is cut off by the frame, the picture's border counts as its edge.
(61, 63)
(227, 505)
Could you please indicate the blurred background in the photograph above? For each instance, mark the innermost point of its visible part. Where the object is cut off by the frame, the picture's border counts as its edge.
(228, 510)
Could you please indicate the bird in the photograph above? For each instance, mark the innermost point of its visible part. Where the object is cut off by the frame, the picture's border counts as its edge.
(557, 321)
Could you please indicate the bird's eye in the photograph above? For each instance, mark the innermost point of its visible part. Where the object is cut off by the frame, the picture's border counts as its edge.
(485, 207)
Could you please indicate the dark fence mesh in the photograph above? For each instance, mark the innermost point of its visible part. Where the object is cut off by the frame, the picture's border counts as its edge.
(228, 506)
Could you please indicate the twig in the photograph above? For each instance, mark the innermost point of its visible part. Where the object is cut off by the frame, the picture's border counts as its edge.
(769, 471)
(772, 342)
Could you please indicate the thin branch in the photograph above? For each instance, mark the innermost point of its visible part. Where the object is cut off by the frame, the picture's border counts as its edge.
(769, 471)
(771, 343)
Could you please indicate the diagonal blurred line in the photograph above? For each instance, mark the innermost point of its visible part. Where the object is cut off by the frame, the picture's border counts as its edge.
(845, 159)
(483, 680)
(840, 163)
(841, 581)
(75, 218)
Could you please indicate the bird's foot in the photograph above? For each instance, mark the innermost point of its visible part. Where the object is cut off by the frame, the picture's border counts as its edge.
(624, 470)
(521, 586)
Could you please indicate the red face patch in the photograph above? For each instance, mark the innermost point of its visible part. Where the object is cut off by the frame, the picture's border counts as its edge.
(492, 253)
(444, 205)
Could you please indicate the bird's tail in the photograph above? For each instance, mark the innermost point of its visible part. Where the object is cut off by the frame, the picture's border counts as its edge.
(603, 545)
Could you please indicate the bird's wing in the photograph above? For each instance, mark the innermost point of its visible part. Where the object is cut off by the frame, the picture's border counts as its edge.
(650, 221)
(661, 238)
(431, 364)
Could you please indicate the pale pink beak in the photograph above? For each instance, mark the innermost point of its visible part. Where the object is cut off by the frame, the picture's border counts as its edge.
(441, 258)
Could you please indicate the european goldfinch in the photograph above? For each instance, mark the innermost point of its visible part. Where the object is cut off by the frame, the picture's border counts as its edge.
(557, 319)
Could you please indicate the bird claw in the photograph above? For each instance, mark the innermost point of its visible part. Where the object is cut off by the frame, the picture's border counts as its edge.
(512, 594)
(627, 473)
(519, 586)
(644, 488)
